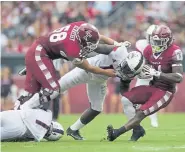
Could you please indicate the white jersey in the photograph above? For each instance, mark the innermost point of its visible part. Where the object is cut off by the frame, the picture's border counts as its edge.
(109, 61)
(24, 124)
(37, 121)
(96, 84)
(140, 46)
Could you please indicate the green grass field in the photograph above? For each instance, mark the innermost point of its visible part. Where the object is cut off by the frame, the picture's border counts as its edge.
(169, 137)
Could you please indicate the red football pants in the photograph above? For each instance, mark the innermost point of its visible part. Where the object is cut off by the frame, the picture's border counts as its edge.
(152, 99)
(40, 70)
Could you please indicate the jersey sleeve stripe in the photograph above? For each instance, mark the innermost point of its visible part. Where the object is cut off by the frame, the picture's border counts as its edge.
(173, 65)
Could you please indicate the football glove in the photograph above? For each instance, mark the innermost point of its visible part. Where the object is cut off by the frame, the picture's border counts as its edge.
(126, 44)
(149, 71)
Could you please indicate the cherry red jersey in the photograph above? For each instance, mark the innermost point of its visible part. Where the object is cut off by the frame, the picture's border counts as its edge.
(62, 42)
(164, 63)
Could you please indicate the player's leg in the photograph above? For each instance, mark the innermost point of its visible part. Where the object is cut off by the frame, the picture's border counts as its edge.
(157, 99)
(154, 120)
(134, 96)
(128, 108)
(73, 78)
(96, 94)
(130, 112)
(43, 71)
(12, 126)
(56, 107)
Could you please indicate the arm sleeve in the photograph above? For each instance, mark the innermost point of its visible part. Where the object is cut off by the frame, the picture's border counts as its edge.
(177, 58)
(104, 49)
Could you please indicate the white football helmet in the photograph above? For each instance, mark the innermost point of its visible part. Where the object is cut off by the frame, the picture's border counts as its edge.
(131, 66)
(55, 132)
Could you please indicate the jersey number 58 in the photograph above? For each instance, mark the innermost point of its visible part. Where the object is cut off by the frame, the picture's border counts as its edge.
(59, 34)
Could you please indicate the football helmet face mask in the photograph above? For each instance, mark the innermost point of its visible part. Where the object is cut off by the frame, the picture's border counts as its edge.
(131, 66)
(161, 39)
(55, 132)
(88, 37)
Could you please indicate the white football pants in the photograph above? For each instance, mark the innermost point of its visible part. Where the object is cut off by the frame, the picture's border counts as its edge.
(96, 86)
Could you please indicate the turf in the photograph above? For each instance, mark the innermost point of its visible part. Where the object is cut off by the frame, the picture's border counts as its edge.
(169, 137)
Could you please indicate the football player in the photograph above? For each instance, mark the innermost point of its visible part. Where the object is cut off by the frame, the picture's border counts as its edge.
(72, 42)
(129, 109)
(23, 125)
(165, 66)
(126, 65)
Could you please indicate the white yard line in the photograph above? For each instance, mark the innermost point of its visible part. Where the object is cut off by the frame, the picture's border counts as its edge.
(157, 148)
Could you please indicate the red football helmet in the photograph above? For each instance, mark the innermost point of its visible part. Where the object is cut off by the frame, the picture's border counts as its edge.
(161, 39)
(89, 37)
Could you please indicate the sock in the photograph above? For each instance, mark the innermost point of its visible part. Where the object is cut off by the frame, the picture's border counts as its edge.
(153, 119)
(128, 108)
(118, 132)
(77, 125)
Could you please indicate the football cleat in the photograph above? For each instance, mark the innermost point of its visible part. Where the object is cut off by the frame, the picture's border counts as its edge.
(137, 133)
(75, 134)
(111, 134)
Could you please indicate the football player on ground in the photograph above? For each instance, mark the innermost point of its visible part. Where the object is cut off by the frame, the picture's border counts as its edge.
(72, 42)
(165, 66)
(126, 65)
(23, 125)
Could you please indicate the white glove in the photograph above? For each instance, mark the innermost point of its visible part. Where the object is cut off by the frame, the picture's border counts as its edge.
(143, 75)
(126, 44)
(151, 71)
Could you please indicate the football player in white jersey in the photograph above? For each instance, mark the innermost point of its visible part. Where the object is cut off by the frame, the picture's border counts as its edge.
(126, 65)
(29, 125)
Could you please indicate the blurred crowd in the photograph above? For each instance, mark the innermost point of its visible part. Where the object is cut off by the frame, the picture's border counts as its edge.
(22, 22)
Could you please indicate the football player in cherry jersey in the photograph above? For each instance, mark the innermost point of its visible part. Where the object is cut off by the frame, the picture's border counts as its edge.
(72, 42)
(128, 107)
(165, 66)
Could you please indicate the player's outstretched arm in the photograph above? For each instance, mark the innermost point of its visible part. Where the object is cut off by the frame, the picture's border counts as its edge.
(104, 49)
(83, 64)
(109, 41)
